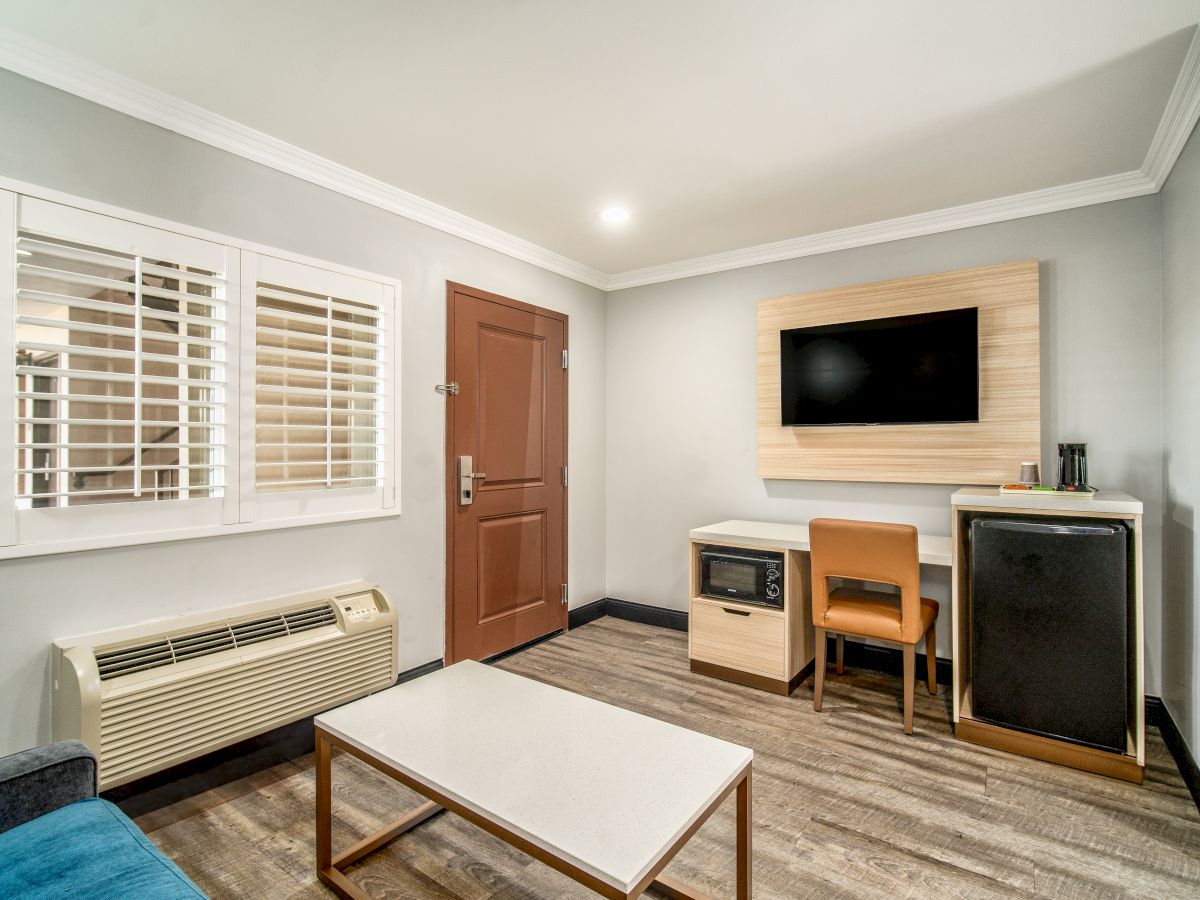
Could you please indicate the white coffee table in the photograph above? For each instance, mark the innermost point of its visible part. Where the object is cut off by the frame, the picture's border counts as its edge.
(602, 794)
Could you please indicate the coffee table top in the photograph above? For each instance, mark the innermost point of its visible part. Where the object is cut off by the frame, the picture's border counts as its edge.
(606, 789)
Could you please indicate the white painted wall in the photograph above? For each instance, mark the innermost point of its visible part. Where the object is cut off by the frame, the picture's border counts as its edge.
(681, 392)
(58, 141)
(1181, 394)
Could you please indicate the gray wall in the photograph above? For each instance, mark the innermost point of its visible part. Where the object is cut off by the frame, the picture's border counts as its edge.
(1181, 396)
(662, 398)
(58, 141)
(681, 392)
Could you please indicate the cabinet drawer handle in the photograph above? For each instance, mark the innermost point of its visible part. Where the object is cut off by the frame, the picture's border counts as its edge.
(736, 612)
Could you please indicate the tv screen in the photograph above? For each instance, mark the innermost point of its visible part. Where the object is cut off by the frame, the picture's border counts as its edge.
(899, 370)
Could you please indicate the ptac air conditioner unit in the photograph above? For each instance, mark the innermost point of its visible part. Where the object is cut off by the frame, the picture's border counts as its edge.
(149, 696)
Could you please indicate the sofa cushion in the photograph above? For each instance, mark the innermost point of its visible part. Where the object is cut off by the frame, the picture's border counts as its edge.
(35, 782)
(88, 849)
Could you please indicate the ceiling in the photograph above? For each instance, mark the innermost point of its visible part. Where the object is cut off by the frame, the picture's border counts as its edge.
(721, 124)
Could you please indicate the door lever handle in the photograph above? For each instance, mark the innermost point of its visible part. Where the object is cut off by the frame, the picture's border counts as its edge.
(466, 480)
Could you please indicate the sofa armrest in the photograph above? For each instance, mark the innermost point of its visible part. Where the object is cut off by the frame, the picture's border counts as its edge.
(35, 782)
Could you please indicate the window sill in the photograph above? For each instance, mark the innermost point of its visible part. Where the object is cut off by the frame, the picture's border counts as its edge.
(105, 542)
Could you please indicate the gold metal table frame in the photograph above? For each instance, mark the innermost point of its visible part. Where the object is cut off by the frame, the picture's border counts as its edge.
(330, 866)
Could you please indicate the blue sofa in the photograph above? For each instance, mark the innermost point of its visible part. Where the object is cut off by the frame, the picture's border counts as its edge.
(58, 839)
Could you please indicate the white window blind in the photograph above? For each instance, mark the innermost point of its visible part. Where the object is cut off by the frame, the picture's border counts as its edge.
(120, 375)
(320, 375)
(168, 383)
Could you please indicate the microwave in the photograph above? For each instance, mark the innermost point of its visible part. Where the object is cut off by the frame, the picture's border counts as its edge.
(736, 573)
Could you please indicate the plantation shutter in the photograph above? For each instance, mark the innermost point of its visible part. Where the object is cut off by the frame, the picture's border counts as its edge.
(320, 376)
(120, 340)
(165, 385)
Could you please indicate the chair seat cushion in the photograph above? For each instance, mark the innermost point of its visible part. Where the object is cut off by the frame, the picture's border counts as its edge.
(88, 849)
(872, 613)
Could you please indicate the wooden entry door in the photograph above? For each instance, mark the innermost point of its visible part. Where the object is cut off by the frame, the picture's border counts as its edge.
(506, 551)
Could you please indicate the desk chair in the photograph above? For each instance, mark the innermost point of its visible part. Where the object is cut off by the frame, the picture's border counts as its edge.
(876, 552)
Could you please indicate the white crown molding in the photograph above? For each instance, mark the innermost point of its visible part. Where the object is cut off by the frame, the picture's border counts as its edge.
(1178, 118)
(1174, 129)
(41, 62)
(61, 70)
(985, 212)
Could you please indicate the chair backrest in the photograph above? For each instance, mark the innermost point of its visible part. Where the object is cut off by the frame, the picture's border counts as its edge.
(868, 551)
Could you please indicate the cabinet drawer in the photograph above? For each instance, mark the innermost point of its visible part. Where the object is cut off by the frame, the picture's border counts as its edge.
(747, 639)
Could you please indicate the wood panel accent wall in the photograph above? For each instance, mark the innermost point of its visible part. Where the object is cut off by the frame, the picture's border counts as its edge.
(989, 451)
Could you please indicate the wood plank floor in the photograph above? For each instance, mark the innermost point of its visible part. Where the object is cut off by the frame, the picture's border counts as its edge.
(845, 805)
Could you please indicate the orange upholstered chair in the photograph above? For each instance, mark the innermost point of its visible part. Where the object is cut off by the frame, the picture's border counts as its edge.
(874, 552)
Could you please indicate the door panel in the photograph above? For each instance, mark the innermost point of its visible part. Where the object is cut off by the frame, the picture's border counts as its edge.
(506, 549)
(512, 550)
(512, 398)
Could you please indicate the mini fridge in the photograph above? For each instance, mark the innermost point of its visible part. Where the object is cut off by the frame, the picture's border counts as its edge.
(1049, 608)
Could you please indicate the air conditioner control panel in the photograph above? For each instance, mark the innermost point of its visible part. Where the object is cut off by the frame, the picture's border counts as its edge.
(358, 608)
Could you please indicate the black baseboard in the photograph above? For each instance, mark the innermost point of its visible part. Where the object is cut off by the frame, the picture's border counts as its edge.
(212, 770)
(589, 612)
(675, 619)
(1159, 716)
(505, 654)
(418, 671)
(889, 660)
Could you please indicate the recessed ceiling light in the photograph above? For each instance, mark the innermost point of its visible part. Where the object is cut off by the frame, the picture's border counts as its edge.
(614, 215)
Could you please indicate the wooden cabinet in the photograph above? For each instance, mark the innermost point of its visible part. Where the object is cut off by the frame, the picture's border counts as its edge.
(770, 649)
(739, 636)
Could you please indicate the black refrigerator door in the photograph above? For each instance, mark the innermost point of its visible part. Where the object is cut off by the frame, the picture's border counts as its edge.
(1049, 627)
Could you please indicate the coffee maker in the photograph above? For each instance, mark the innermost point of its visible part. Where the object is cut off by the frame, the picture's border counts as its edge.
(1072, 467)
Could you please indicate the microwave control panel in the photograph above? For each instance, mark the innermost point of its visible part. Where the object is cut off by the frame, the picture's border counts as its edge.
(774, 579)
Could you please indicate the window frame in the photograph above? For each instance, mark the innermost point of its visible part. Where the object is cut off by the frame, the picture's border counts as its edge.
(88, 527)
(265, 507)
(49, 525)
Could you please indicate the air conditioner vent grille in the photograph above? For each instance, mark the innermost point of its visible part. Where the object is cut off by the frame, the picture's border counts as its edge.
(201, 643)
(144, 730)
(314, 617)
(134, 659)
(193, 644)
(259, 630)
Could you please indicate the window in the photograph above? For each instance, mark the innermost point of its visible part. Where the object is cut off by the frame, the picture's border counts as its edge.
(161, 381)
(321, 403)
(120, 376)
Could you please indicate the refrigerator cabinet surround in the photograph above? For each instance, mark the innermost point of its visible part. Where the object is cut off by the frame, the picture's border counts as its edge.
(1050, 672)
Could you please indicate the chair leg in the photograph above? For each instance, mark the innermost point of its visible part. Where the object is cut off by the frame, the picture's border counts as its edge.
(910, 672)
(818, 667)
(841, 648)
(931, 659)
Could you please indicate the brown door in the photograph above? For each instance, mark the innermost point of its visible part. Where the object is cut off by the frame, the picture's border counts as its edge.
(506, 518)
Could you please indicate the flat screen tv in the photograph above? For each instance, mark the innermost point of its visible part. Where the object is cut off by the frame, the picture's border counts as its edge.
(900, 370)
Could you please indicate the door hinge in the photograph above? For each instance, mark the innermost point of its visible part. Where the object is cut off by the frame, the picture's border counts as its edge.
(564, 595)
(564, 476)
(451, 388)
(564, 359)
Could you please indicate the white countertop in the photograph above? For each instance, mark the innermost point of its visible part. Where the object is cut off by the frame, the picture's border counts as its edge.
(932, 550)
(606, 789)
(1103, 501)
